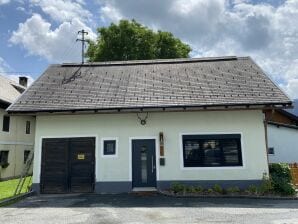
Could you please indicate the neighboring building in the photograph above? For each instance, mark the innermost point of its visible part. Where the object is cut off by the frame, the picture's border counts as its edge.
(17, 132)
(282, 137)
(117, 126)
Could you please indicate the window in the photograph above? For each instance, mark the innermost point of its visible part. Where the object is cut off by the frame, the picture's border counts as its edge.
(28, 127)
(26, 155)
(109, 147)
(271, 151)
(212, 150)
(4, 157)
(6, 123)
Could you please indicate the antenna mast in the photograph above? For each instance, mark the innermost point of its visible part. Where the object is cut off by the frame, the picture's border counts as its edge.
(82, 32)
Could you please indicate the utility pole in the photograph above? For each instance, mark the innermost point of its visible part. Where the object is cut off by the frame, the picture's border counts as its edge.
(82, 32)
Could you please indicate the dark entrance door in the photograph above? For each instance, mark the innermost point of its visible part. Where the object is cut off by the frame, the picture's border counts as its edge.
(143, 163)
(68, 165)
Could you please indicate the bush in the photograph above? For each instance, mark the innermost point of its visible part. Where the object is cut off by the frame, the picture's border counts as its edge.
(199, 189)
(210, 191)
(218, 189)
(252, 189)
(281, 179)
(177, 187)
(266, 186)
(233, 190)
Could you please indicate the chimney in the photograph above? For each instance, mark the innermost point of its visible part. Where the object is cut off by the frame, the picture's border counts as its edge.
(23, 81)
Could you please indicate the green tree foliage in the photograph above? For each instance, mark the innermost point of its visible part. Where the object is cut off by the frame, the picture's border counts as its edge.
(130, 40)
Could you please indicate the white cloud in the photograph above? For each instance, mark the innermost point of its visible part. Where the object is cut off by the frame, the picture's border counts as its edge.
(7, 71)
(2, 2)
(63, 11)
(56, 45)
(268, 33)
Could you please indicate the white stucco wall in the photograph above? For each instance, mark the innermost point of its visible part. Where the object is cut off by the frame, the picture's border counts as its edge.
(172, 124)
(16, 141)
(284, 140)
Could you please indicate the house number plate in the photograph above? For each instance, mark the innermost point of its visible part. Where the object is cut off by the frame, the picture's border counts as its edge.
(81, 156)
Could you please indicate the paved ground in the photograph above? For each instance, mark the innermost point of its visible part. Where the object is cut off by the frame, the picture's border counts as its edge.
(135, 209)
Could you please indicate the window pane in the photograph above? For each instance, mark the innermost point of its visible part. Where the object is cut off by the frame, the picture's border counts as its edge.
(144, 164)
(26, 154)
(4, 157)
(6, 123)
(109, 147)
(211, 150)
(232, 156)
(28, 127)
(212, 153)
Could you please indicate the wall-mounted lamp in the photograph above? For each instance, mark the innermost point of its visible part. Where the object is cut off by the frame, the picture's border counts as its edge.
(161, 144)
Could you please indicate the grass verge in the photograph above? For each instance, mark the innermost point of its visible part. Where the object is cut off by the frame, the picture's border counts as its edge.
(8, 187)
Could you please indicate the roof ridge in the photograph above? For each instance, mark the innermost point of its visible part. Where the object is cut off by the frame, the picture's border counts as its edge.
(155, 61)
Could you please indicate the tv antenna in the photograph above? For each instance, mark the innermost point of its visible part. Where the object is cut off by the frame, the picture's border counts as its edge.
(82, 32)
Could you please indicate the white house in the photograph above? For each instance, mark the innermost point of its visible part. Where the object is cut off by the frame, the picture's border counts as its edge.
(118, 126)
(16, 133)
(283, 137)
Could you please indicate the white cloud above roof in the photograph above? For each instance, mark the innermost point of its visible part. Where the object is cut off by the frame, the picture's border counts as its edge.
(267, 33)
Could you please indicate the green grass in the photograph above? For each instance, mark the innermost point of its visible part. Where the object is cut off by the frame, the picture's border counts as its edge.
(8, 187)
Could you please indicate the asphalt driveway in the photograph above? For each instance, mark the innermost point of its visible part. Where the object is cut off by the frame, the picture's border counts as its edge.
(129, 208)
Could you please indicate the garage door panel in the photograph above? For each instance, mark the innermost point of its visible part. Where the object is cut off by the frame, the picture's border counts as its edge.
(68, 165)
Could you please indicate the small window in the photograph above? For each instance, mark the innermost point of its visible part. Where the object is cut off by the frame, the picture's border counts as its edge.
(6, 123)
(109, 147)
(28, 127)
(271, 151)
(4, 157)
(26, 155)
(212, 150)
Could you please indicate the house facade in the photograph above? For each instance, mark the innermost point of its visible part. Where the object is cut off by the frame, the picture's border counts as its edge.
(282, 137)
(16, 134)
(121, 126)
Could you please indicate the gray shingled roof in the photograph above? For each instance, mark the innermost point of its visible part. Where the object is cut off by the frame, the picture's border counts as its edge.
(9, 90)
(151, 84)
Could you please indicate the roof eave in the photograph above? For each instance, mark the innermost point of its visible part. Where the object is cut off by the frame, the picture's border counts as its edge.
(260, 106)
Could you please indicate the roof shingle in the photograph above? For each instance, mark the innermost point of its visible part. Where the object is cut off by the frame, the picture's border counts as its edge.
(152, 83)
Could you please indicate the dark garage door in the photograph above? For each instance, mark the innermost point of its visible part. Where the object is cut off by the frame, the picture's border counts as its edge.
(68, 165)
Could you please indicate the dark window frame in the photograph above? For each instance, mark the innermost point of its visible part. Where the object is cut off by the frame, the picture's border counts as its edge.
(271, 151)
(4, 158)
(26, 155)
(105, 151)
(219, 154)
(28, 127)
(6, 123)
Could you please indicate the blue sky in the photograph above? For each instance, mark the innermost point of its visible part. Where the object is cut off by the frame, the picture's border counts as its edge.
(36, 33)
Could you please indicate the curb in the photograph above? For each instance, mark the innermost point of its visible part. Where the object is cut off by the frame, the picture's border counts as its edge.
(16, 198)
(229, 196)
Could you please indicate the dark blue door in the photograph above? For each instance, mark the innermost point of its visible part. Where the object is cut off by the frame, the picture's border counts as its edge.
(143, 163)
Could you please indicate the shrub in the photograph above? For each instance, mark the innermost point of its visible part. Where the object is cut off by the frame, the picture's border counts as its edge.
(233, 190)
(266, 186)
(281, 179)
(252, 189)
(218, 189)
(177, 187)
(199, 189)
(210, 191)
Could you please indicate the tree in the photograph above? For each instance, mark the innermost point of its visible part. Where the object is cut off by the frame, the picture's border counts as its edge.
(130, 40)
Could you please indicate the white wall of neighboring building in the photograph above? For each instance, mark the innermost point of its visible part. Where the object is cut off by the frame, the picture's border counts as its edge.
(124, 127)
(284, 140)
(16, 141)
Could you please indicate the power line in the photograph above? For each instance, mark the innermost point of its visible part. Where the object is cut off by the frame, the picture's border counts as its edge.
(82, 32)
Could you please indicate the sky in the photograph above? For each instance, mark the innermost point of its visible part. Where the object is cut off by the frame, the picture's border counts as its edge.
(36, 33)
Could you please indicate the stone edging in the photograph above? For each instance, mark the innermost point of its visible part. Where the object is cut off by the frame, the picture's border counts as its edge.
(229, 196)
(15, 198)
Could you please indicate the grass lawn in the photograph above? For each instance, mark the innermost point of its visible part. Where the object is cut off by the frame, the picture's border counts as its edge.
(8, 187)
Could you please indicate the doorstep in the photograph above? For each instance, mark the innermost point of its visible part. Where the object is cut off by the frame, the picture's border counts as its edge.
(144, 189)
